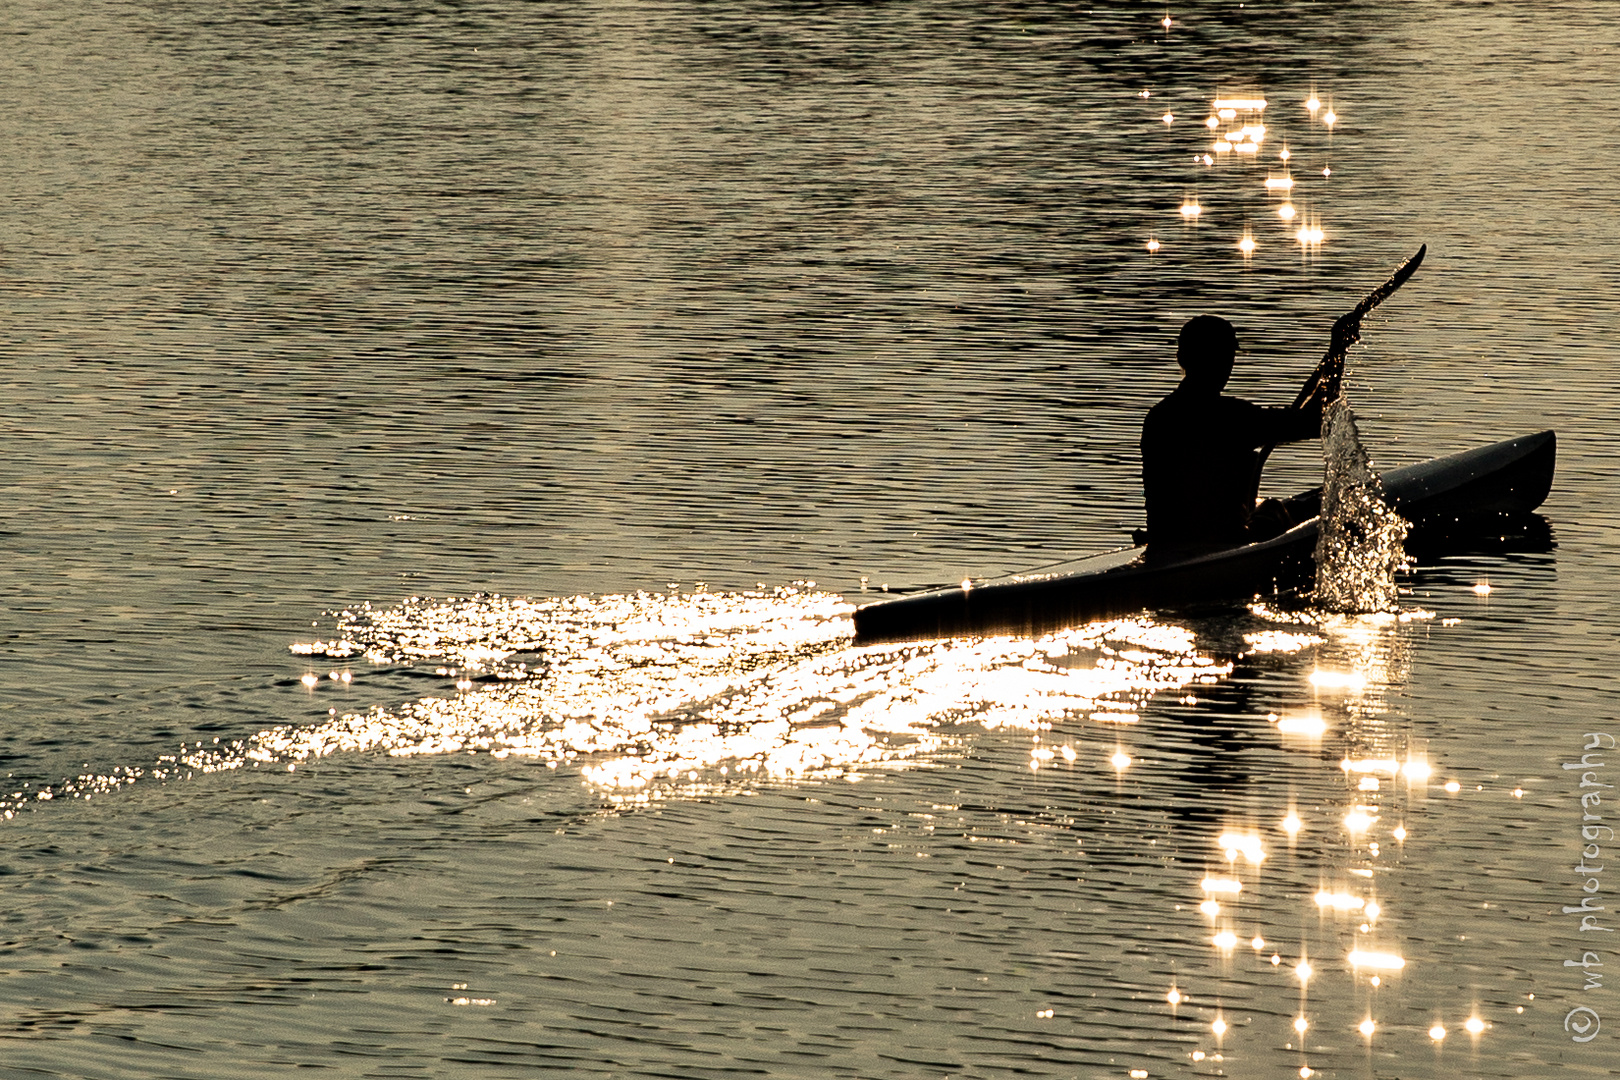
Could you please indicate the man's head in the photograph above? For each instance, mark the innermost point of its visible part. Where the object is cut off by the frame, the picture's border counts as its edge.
(1205, 350)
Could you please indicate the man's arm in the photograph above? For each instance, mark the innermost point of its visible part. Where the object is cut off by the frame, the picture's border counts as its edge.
(1276, 424)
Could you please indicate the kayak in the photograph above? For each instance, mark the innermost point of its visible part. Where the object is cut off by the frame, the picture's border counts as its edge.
(1447, 496)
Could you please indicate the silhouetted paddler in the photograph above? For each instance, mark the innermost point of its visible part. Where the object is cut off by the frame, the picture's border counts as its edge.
(1200, 449)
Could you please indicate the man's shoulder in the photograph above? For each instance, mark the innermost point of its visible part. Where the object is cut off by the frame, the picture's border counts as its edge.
(1169, 411)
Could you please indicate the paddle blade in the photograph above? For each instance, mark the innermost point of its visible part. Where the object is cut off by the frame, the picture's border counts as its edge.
(1347, 329)
(1325, 380)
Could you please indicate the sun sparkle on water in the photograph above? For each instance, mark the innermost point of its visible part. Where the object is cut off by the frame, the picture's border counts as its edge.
(668, 693)
(1339, 901)
(1376, 960)
(1309, 725)
(1359, 821)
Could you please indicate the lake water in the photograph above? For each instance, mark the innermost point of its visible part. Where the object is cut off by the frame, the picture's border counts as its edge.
(445, 443)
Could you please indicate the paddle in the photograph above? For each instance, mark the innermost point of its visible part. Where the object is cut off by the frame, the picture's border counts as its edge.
(1329, 374)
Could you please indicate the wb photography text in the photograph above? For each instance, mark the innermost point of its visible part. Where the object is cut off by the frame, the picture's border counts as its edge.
(1583, 1022)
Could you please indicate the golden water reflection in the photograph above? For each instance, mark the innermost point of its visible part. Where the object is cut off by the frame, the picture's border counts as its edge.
(664, 695)
(1340, 953)
(1234, 139)
(658, 693)
(661, 696)
(667, 696)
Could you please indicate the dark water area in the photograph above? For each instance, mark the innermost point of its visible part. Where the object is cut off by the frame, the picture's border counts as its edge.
(445, 443)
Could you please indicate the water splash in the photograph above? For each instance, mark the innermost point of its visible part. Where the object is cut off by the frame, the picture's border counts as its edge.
(1361, 546)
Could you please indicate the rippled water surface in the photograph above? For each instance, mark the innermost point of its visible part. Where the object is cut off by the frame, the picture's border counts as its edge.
(445, 443)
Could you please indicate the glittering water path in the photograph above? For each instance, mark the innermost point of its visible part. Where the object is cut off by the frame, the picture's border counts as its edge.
(656, 700)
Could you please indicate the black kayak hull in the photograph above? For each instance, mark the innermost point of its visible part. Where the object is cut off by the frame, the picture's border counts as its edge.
(1442, 495)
